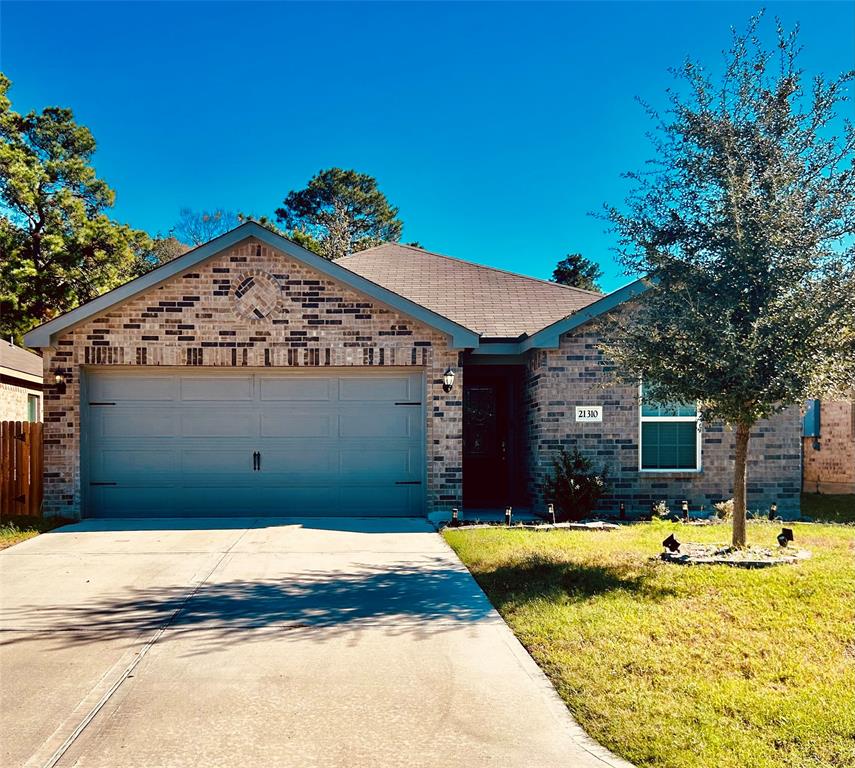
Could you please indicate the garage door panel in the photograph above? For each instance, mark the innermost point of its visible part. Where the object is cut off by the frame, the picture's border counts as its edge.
(112, 387)
(376, 422)
(298, 388)
(291, 423)
(125, 463)
(394, 463)
(217, 388)
(375, 388)
(298, 461)
(123, 423)
(222, 422)
(226, 461)
(182, 443)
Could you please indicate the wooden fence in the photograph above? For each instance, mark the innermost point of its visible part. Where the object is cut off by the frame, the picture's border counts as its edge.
(21, 467)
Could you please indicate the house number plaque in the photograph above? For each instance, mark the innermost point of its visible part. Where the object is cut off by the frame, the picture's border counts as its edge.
(589, 413)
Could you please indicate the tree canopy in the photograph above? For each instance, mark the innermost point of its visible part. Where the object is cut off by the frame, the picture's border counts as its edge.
(198, 227)
(58, 246)
(339, 212)
(744, 224)
(578, 272)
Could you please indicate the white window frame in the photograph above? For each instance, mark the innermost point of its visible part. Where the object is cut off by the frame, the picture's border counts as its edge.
(31, 397)
(698, 468)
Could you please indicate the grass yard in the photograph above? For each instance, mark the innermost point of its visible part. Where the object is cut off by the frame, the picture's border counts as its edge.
(821, 506)
(700, 666)
(17, 529)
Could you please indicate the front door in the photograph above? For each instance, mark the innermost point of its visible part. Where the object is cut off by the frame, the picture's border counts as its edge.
(485, 442)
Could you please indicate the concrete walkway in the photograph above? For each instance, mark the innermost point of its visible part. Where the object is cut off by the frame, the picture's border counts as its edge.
(280, 643)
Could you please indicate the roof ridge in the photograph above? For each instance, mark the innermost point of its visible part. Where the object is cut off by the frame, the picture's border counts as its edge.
(476, 264)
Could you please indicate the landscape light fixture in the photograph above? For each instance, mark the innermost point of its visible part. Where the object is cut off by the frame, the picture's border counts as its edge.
(785, 536)
(622, 510)
(685, 508)
(454, 520)
(448, 380)
(671, 543)
(508, 511)
(550, 508)
(773, 510)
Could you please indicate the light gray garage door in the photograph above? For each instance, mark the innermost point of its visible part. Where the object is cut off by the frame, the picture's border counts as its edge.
(201, 443)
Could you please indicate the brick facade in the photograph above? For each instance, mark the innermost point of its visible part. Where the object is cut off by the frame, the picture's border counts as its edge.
(203, 318)
(559, 379)
(831, 469)
(14, 401)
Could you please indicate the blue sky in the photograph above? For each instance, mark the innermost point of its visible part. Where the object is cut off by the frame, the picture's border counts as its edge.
(495, 128)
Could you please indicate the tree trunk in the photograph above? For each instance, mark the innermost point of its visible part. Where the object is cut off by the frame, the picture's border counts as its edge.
(740, 476)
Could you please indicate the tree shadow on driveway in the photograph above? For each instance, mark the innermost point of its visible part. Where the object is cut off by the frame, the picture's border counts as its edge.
(399, 598)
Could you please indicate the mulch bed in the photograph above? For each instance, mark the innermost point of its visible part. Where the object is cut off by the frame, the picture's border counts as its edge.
(750, 557)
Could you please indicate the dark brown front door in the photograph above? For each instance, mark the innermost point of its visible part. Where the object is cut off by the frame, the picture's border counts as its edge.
(493, 434)
(485, 442)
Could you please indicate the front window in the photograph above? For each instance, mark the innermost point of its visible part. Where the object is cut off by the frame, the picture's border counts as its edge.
(670, 437)
(33, 407)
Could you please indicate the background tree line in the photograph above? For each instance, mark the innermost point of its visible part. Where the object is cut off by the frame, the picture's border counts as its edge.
(59, 247)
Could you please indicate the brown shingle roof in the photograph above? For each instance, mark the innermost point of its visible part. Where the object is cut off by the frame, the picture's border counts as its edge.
(19, 359)
(490, 301)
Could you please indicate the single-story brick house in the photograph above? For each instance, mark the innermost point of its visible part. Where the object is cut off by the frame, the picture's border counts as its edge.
(250, 376)
(20, 383)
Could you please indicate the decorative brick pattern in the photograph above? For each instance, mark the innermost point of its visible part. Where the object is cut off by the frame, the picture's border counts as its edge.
(193, 320)
(831, 469)
(576, 374)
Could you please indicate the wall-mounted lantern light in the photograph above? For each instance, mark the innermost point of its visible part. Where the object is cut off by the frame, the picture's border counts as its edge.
(448, 380)
(59, 380)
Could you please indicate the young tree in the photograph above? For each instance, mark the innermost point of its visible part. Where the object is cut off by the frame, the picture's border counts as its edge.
(744, 225)
(578, 272)
(339, 212)
(198, 227)
(58, 247)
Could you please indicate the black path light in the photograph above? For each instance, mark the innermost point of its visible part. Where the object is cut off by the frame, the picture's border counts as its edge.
(671, 543)
(773, 510)
(785, 536)
(550, 509)
(454, 517)
(448, 379)
(622, 510)
(508, 512)
(685, 508)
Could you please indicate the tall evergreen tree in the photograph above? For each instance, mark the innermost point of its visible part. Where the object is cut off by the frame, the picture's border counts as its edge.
(578, 272)
(339, 212)
(58, 247)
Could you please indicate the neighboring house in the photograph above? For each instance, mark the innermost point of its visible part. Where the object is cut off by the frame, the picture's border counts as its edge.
(829, 446)
(20, 384)
(250, 376)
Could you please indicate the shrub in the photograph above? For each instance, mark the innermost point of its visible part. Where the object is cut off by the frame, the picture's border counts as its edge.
(660, 510)
(574, 487)
(724, 509)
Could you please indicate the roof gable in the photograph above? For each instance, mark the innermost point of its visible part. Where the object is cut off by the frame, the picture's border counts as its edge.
(45, 335)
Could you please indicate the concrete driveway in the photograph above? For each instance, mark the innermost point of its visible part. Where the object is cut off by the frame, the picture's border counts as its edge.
(246, 642)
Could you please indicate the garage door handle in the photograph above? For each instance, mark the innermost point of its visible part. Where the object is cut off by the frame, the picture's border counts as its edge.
(256, 461)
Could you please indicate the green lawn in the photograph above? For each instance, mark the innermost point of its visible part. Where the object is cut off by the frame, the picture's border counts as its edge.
(820, 506)
(17, 529)
(702, 666)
